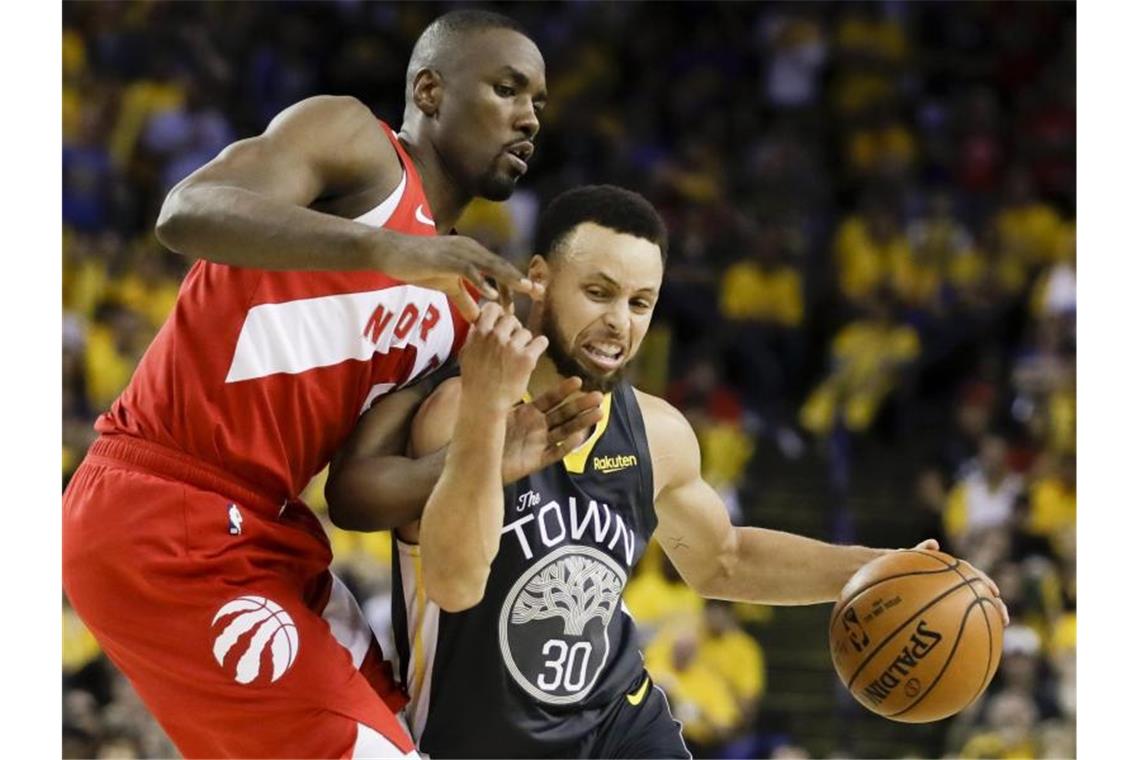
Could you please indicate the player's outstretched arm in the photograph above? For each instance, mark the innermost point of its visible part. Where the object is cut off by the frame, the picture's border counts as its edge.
(249, 206)
(463, 518)
(723, 561)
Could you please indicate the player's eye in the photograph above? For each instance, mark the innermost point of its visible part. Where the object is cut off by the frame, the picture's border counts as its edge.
(640, 304)
(595, 293)
(504, 91)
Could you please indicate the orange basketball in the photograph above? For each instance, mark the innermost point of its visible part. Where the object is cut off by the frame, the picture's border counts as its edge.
(916, 636)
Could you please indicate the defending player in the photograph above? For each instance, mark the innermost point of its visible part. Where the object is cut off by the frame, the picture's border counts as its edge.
(185, 548)
(512, 635)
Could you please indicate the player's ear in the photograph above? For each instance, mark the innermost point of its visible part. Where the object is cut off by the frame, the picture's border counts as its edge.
(427, 91)
(539, 270)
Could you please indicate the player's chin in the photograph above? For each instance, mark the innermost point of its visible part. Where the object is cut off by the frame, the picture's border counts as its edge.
(604, 382)
(498, 185)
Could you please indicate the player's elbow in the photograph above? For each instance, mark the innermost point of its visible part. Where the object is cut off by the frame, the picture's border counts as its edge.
(174, 228)
(350, 509)
(720, 571)
(454, 590)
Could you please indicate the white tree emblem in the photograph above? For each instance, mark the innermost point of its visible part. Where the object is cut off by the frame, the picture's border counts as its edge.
(575, 588)
(570, 587)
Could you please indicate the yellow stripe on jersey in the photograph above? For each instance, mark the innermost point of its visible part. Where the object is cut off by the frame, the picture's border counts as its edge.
(575, 461)
(420, 616)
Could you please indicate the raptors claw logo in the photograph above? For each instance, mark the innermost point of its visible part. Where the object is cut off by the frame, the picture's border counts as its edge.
(253, 625)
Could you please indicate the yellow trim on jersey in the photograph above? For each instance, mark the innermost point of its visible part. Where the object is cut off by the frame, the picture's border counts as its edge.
(636, 697)
(421, 614)
(576, 460)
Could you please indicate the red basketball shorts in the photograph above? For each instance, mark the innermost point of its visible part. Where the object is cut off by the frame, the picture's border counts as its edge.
(220, 608)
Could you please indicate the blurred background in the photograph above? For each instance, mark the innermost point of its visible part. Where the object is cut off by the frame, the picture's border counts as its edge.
(868, 316)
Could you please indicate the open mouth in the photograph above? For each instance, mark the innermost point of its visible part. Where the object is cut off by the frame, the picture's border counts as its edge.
(518, 154)
(606, 355)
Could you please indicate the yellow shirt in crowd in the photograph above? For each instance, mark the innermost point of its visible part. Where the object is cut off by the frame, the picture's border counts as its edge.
(1052, 506)
(864, 265)
(751, 292)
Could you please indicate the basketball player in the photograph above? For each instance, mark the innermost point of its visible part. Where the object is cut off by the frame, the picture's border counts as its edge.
(318, 289)
(512, 637)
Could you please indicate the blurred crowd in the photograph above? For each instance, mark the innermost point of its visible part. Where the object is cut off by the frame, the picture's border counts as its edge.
(871, 209)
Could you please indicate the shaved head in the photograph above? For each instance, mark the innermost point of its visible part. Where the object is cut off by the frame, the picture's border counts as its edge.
(439, 44)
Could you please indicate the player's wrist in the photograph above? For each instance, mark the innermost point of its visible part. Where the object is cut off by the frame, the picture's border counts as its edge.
(483, 402)
(382, 250)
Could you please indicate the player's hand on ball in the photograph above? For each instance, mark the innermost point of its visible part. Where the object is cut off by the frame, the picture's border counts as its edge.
(497, 359)
(932, 545)
(545, 430)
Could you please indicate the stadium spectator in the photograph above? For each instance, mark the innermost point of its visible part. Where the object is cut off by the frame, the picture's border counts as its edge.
(868, 359)
(822, 126)
(985, 498)
(699, 697)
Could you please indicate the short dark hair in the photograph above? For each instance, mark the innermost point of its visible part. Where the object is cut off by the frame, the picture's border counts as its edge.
(441, 35)
(608, 206)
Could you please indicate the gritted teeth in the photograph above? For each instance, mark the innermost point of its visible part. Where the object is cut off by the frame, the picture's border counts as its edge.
(607, 350)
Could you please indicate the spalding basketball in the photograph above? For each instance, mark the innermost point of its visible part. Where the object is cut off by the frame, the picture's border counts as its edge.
(916, 636)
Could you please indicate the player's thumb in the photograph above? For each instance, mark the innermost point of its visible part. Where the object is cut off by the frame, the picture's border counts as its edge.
(463, 301)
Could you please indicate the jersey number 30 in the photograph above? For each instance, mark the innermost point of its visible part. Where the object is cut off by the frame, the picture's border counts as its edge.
(568, 665)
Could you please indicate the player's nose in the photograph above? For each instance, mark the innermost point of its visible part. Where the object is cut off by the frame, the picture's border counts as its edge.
(526, 120)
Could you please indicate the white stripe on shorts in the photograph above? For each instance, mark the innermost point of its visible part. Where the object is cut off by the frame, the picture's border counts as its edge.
(373, 744)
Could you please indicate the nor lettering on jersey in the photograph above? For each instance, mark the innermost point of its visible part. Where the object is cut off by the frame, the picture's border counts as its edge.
(297, 336)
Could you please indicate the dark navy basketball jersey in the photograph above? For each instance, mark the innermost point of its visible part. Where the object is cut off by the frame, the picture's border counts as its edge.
(529, 671)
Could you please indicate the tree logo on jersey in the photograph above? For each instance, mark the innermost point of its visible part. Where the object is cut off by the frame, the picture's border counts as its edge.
(554, 626)
(254, 635)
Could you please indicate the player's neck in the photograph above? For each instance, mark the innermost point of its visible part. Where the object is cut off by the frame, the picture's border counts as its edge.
(543, 378)
(444, 195)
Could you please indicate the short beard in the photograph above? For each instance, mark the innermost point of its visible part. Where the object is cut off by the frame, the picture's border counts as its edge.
(568, 366)
(495, 187)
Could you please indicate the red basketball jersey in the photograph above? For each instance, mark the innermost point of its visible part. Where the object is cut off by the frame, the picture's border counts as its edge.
(264, 374)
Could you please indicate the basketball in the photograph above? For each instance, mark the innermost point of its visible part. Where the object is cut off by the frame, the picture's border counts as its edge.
(916, 636)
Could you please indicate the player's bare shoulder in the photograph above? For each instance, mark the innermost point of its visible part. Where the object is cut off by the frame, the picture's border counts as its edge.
(672, 442)
(327, 151)
(342, 136)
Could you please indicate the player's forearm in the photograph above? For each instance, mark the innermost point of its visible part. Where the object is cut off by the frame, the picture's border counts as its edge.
(231, 225)
(461, 524)
(772, 567)
(383, 492)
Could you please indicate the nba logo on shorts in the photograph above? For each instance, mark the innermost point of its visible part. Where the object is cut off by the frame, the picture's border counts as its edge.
(252, 632)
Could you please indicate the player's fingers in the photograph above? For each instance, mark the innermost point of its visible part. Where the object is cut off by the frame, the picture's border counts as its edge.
(504, 272)
(567, 411)
(556, 395)
(504, 299)
(535, 348)
(520, 338)
(463, 301)
(481, 283)
(930, 545)
(559, 449)
(580, 423)
(505, 326)
(489, 314)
